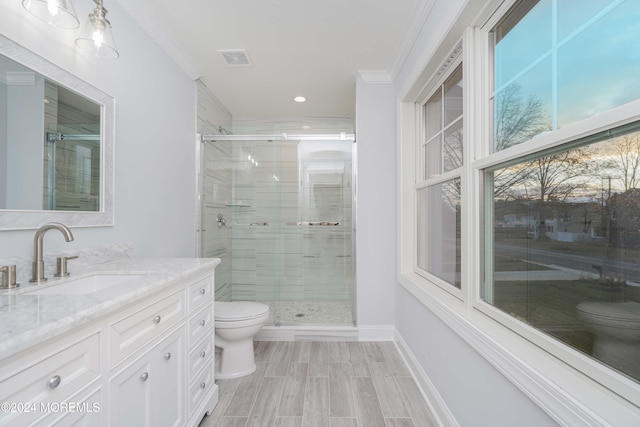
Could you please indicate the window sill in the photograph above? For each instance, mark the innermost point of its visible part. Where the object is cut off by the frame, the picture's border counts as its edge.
(566, 394)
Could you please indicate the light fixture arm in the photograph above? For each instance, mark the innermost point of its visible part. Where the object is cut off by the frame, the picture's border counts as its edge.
(96, 34)
(99, 15)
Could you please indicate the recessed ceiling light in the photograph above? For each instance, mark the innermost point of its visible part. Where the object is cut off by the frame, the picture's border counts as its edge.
(300, 99)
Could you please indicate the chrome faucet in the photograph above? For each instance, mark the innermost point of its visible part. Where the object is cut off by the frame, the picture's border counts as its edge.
(38, 262)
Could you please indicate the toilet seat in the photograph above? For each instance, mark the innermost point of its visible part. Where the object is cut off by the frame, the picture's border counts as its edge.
(622, 311)
(239, 310)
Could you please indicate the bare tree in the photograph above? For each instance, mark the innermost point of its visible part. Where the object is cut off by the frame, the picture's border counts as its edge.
(517, 120)
(624, 158)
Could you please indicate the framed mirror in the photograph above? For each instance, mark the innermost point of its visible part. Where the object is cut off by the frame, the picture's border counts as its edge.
(56, 145)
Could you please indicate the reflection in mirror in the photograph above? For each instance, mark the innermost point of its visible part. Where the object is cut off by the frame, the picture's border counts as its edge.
(50, 144)
(56, 144)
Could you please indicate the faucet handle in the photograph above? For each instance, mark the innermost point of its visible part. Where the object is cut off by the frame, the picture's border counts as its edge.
(61, 265)
(8, 277)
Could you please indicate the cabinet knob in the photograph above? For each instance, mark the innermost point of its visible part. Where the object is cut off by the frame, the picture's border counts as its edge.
(202, 322)
(157, 319)
(203, 354)
(144, 376)
(54, 382)
(203, 385)
(167, 356)
(202, 291)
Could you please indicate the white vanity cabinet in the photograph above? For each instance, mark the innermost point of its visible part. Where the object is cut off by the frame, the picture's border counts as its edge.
(34, 383)
(148, 363)
(200, 327)
(147, 388)
(149, 391)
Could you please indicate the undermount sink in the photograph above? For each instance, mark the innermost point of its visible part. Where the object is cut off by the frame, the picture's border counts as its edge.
(85, 285)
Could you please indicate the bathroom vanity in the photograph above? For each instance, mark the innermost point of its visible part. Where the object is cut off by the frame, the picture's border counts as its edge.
(128, 343)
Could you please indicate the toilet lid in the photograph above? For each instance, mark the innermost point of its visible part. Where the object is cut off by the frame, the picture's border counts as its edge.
(239, 310)
(615, 310)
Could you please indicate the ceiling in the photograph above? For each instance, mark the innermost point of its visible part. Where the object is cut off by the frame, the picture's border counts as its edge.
(313, 48)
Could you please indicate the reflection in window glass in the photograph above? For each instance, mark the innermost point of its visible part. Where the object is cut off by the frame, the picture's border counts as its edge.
(439, 231)
(453, 97)
(566, 245)
(433, 157)
(453, 147)
(578, 64)
(522, 109)
(433, 115)
(443, 127)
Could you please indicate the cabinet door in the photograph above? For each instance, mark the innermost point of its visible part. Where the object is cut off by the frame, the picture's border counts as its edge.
(169, 380)
(47, 375)
(131, 394)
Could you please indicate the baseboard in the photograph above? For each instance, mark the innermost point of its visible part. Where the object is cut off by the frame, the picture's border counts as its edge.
(376, 333)
(307, 333)
(326, 333)
(437, 405)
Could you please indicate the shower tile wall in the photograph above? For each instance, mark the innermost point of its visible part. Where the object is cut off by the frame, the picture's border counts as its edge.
(279, 254)
(216, 176)
(216, 238)
(77, 163)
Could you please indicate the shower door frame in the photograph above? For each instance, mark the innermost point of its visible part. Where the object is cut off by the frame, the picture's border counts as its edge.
(202, 139)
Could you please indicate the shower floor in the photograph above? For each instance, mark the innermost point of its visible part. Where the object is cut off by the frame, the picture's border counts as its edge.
(310, 312)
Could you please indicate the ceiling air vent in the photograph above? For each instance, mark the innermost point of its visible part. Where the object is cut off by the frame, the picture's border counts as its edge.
(235, 57)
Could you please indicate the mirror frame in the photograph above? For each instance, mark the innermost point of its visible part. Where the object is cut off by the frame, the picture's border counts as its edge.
(11, 219)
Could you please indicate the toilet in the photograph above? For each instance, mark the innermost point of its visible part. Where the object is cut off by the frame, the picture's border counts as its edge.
(616, 329)
(235, 325)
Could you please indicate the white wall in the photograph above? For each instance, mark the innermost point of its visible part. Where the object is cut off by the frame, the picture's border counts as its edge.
(376, 207)
(475, 393)
(154, 139)
(25, 145)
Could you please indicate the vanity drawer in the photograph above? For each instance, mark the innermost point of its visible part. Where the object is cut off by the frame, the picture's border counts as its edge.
(200, 324)
(200, 293)
(200, 388)
(201, 356)
(32, 386)
(139, 328)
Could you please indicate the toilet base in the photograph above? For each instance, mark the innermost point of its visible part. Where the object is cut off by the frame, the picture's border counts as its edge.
(236, 360)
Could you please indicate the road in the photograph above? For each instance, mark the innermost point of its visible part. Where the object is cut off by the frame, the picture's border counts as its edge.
(630, 270)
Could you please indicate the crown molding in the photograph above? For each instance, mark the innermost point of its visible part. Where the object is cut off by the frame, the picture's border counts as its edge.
(410, 36)
(379, 77)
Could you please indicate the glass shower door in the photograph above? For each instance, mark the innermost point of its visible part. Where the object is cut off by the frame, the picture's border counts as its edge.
(288, 214)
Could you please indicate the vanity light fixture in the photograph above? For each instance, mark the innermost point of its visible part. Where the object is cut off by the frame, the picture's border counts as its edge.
(300, 99)
(59, 13)
(95, 36)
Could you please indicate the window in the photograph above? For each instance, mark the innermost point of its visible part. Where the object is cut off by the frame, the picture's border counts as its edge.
(438, 191)
(556, 63)
(562, 222)
(525, 206)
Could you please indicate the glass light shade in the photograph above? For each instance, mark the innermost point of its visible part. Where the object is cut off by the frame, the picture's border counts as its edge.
(96, 36)
(59, 13)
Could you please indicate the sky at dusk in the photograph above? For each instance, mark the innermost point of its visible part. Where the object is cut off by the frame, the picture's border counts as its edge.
(584, 54)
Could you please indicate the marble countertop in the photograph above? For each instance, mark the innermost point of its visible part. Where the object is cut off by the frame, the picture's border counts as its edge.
(27, 319)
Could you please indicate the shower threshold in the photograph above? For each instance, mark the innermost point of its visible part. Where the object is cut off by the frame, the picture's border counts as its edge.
(309, 312)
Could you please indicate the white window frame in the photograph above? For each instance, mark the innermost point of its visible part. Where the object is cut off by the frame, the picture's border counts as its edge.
(421, 182)
(571, 387)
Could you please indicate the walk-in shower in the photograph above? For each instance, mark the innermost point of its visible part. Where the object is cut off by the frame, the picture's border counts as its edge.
(278, 210)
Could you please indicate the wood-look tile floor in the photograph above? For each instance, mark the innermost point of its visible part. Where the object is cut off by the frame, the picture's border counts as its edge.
(328, 384)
